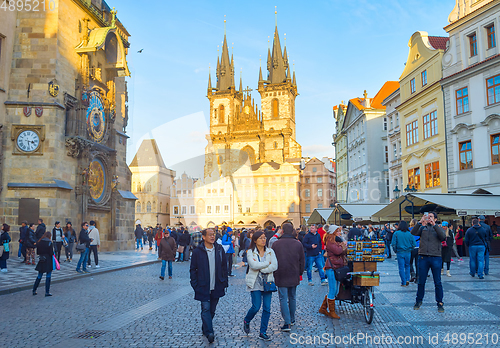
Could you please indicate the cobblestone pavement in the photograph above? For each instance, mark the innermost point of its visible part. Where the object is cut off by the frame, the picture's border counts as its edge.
(21, 276)
(134, 308)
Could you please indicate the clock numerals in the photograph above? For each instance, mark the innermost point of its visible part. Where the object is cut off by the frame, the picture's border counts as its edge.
(28, 141)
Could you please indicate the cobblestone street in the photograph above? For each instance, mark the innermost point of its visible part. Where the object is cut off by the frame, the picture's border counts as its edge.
(134, 308)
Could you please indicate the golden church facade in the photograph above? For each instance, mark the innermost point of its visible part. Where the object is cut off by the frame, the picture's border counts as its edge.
(64, 143)
(256, 149)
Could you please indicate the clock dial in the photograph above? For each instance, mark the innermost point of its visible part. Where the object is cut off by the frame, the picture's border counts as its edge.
(97, 180)
(96, 119)
(28, 141)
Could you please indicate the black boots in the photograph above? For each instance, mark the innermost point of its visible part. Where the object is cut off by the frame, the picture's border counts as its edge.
(35, 286)
(47, 287)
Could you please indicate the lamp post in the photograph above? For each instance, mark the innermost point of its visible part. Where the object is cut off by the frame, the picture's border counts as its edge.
(397, 192)
(407, 188)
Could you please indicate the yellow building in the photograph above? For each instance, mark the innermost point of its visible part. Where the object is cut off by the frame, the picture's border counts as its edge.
(151, 184)
(422, 115)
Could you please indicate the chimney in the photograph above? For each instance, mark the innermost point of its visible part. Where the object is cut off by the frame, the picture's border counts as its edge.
(366, 100)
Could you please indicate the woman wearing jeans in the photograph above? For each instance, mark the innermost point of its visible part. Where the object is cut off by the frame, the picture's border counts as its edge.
(262, 263)
(166, 252)
(403, 243)
(336, 250)
(45, 251)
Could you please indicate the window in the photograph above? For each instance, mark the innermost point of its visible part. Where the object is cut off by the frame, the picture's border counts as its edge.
(430, 125)
(192, 210)
(308, 180)
(397, 120)
(161, 204)
(386, 152)
(308, 193)
(138, 207)
(291, 209)
(395, 150)
(414, 178)
(291, 192)
(473, 45)
(432, 175)
(209, 209)
(465, 154)
(275, 105)
(320, 180)
(315, 169)
(183, 210)
(412, 86)
(462, 100)
(308, 208)
(209, 191)
(275, 145)
(148, 207)
(320, 206)
(240, 208)
(282, 179)
(490, 32)
(176, 210)
(266, 192)
(385, 123)
(221, 114)
(217, 209)
(412, 133)
(493, 87)
(392, 123)
(226, 209)
(248, 209)
(424, 78)
(320, 192)
(495, 148)
(221, 190)
(282, 193)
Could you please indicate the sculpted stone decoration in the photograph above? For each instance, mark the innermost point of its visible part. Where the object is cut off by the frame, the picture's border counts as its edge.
(76, 146)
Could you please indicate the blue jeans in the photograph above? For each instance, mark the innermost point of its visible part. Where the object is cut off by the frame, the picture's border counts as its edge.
(486, 261)
(404, 267)
(3, 263)
(387, 250)
(333, 284)
(476, 260)
(208, 314)
(318, 261)
(259, 297)
(83, 259)
(433, 263)
(163, 265)
(48, 277)
(139, 241)
(19, 251)
(288, 303)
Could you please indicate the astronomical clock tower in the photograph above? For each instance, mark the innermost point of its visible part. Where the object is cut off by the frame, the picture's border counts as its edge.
(66, 117)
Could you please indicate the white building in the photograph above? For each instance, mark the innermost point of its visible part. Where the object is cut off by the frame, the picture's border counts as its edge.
(393, 144)
(471, 85)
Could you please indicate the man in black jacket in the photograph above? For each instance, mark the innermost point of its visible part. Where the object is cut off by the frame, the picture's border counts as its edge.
(475, 239)
(290, 255)
(355, 233)
(84, 239)
(489, 237)
(209, 278)
(139, 233)
(23, 234)
(40, 229)
(429, 253)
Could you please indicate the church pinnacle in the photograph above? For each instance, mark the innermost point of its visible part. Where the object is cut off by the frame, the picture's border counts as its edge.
(276, 63)
(225, 70)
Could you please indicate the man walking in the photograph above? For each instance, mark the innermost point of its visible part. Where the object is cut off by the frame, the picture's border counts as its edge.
(429, 255)
(387, 235)
(166, 252)
(475, 239)
(139, 232)
(94, 244)
(40, 230)
(488, 238)
(355, 233)
(290, 255)
(23, 234)
(313, 245)
(209, 279)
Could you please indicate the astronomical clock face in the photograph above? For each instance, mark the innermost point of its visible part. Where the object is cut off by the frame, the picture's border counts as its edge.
(97, 180)
(28, 141)
(96, 118)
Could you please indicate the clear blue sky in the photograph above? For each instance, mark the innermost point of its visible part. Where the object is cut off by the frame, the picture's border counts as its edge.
(339, 48)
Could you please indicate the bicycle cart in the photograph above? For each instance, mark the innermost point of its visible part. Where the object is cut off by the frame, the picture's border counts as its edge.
(358, 286)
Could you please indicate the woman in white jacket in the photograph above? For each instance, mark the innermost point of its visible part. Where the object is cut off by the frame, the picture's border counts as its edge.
(262, 263)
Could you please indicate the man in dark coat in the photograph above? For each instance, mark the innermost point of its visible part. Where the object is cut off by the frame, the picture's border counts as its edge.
(166, 252)
(40, 229)
(84, 239)
(139, 233)
(475, 239)
(23, 234)
(488, 239)
(209, 278)
(269, 234)
(313, 244)
(355, 232)
(291, 263)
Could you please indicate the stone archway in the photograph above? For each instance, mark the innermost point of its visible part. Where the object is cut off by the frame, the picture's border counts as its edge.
(269, 223)
(247, 153)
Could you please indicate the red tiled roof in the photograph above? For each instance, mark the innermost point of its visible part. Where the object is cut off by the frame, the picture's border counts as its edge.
(438, 42)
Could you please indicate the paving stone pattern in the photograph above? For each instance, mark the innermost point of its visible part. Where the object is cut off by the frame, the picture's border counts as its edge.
(134, 308)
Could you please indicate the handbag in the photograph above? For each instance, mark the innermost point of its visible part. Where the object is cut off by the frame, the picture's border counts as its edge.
(65, 242)
(341, 273)
(56, 264)
(81, 247)
(268, 286)
(180, 249)
(6, 247)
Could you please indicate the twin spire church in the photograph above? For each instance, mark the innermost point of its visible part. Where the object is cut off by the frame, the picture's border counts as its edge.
(242, 134)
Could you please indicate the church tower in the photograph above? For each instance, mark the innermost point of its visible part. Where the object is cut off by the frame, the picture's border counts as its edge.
(278, 93)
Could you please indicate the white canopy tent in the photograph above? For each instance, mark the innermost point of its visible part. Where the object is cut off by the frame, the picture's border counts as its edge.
(345, 213)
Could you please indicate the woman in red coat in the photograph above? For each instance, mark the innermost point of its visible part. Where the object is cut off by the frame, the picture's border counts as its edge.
(459, 240)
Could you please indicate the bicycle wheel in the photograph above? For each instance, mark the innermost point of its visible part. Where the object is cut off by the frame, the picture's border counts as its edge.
(368, 305)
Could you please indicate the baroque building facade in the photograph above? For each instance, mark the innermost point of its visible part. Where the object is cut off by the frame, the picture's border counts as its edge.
(65, 119)
(422, 115)
(340, 143)
(471, 80)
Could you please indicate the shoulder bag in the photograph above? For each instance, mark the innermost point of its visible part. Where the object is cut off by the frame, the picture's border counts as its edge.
(81, 247)
(268, 286)
(341, 273)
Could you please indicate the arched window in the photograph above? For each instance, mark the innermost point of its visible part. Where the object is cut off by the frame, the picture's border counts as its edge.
(148, 207)
(138, 207)
(139, 188)
(222, 118)
(275, 108)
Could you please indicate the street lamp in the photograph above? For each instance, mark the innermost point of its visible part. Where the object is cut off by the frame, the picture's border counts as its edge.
(407, 188)
(397, 192)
